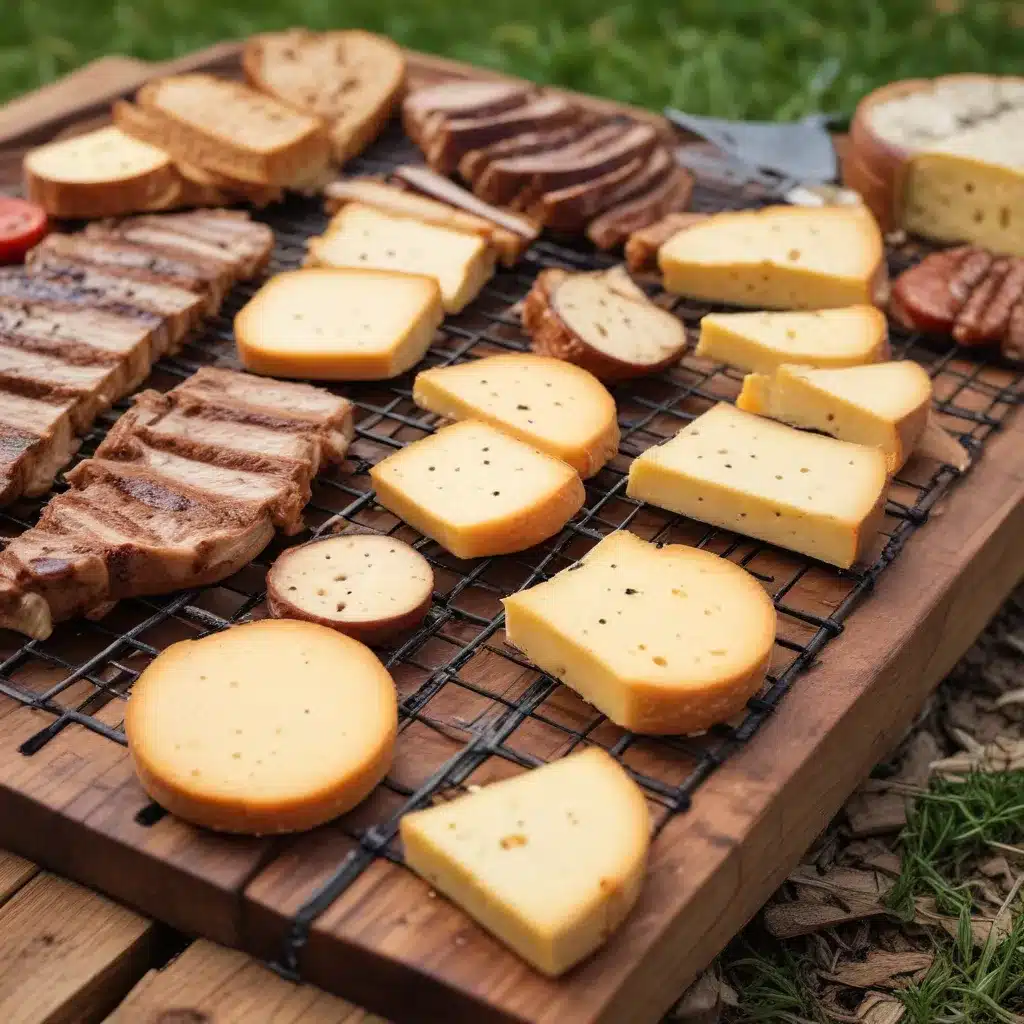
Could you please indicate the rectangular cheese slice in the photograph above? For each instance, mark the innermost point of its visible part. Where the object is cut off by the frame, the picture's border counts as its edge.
(550, 861)
(322, 324)
(477, 491)
(812, 494)
(779, 257)
(848, 336)
(883, 406)
(369, 239)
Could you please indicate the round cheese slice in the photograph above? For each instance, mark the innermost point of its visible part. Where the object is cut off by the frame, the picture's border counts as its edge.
(367, 586)
(272, 726)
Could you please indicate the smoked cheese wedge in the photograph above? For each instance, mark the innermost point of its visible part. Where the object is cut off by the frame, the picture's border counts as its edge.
(550, 861)
(660, 639)
(812, 494)
(271, 726)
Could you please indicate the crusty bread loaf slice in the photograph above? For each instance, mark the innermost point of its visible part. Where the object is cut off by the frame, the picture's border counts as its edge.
(100, 174)
(229, 128)
(353, 80)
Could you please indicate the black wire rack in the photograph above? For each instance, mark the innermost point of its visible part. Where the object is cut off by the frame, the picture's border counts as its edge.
(471, 708)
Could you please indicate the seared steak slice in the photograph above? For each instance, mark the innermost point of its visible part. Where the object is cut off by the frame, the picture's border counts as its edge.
(36, 442)
(614, 226)
(424, 109)
(476, 161)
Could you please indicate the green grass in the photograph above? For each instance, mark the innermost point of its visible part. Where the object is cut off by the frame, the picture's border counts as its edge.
(747, 58)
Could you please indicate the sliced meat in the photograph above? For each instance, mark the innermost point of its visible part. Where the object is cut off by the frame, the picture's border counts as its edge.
(476, 161)
(37, 440)
(972, 268)
(655, 169)
(923, 298)
(461, 99)
(615, 225)
(643, 245)
(968, 328)
(1013, 343)
(995, 320)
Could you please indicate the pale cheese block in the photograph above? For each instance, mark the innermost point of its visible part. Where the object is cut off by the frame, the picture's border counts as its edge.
(552, 405)
(779, 257)
(550, 861)
(849, 336)
(660, 639)
(321, 324)
(271, 726)
(367, 586)
(99, 174)
(478, 491)
(812, 494)
(883, 406)
(366, 238)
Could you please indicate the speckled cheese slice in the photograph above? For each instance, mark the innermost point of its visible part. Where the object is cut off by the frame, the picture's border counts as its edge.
(883, 406)
(550, 861)
(338, 324)
(779, 257)
(662, 640)
(849, 336)
(272, 726)
(553, 405)
(812, 494)
(365, 238)
(477, 491)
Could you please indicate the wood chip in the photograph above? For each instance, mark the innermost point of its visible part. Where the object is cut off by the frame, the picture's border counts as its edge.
(877, 1008)
(879, 969)
(701, 1003)
(875, 814)
(926, 913)
(1010, 697)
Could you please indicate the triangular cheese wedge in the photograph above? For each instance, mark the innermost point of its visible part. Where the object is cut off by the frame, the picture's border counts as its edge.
(549, 861)
(761, 342)
(779, 257)
(883, 406)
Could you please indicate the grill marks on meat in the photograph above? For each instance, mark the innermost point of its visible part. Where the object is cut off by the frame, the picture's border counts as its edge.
(84, 321)
(966, 292)
(186, 489)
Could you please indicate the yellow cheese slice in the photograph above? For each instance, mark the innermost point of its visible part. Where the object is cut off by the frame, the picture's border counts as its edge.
(362, 237)
(550, 861)
(849, 336)
(812, 494)
(271, 726)
(478, 491)
(338, 324)
(883, 406)
(779, 257)
(660, 639)
(553, 405)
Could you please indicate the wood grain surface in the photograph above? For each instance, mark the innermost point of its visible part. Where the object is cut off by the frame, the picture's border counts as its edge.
(390, 944)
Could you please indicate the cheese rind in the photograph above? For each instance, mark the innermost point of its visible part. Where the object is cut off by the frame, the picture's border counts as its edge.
(849, 336)
(362, 237)
(661, 640)
(478, 491)
(812, 494)
(550, 861)
(271, 726)
(779, 257)
(323, 324)
(555, 406)
(882, 406)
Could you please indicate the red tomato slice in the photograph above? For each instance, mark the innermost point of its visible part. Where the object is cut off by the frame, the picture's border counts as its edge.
(22, 224)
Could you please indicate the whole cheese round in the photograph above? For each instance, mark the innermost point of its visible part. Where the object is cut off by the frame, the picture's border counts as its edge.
(272, 726)
(367, 586)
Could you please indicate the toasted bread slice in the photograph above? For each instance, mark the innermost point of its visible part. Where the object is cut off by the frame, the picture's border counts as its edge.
(353, 80)
(234, 130)
(99, 174)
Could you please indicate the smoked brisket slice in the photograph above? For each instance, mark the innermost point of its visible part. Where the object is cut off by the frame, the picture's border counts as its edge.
(476, 161)
(613, 227)
(423, 110)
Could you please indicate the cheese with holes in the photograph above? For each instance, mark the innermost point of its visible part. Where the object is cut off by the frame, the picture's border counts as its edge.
(271, 726)
(555, 406)
(849, 336)
(478, 491)
(366, 238)
(660, 639)
(338, 324)
(550, 861)
(779, 257)
(812, 494)
(883, 406)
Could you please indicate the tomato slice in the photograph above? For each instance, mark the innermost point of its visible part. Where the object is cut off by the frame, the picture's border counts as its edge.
(22, 224)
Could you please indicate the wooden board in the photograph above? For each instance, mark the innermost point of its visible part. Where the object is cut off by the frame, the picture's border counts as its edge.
(387, 943)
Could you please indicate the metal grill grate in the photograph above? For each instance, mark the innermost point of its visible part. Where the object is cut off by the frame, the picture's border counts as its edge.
(471, 708)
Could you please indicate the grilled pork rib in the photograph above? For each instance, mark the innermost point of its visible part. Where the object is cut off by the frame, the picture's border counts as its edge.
(186, 489)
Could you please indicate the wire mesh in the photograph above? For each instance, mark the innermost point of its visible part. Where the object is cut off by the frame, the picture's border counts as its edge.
(471, 708)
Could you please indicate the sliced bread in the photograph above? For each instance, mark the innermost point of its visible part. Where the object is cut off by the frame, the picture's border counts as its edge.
(351, 79)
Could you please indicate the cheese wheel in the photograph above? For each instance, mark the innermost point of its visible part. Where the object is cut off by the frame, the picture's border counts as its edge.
(550, 861)
(272, 726)
(661, 640)
(368, 586)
